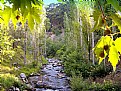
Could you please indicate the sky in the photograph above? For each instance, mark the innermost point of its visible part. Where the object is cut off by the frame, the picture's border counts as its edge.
(47, 2)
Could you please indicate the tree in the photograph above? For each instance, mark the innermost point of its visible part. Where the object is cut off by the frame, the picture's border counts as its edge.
(106, 17)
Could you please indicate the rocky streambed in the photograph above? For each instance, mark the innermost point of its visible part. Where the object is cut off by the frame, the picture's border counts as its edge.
(53, 78)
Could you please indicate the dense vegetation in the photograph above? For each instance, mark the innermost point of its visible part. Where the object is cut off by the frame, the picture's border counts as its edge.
(71, 31)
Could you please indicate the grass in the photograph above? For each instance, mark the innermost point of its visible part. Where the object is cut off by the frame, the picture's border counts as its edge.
(9, 76)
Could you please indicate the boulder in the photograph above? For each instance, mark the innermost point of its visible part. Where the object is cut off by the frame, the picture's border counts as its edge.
(23, 78)
(22, 75)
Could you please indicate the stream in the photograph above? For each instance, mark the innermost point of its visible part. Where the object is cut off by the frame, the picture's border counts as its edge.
(53, 78)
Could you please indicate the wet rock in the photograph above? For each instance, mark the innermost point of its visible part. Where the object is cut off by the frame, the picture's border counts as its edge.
(34, 74)
(54, 65)
(42, 85)
(53, 79)
(34, 79)
(39, 84)
(59, 64)
(61, 75)
(46, 78)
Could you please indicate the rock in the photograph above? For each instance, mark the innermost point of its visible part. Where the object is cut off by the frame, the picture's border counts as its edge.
(23, 78)
(22, 75)
(34, 79)
(12, 88)
(29, 86)
(39, 83)
(17, 89)
(34, 74)
(59, 64)
(61, 75)
(54, 65)
(68, 78)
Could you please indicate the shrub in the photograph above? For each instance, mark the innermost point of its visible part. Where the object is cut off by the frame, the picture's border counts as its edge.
(8, 80)
(33, 67)
(79, 84)
(101, 70)
(106, 86)
(52, 48)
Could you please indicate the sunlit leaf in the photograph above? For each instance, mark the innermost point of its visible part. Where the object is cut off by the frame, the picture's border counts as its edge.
(2, 1)
(102, 47)
(113, 56)
(6, 15)
(118, 44)
(13, 18)
(30, 21)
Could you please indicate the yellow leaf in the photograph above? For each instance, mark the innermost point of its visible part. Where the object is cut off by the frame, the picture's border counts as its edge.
(6, 15)
(113, 56)
(118, 44)
(13, 17)
(30, 21)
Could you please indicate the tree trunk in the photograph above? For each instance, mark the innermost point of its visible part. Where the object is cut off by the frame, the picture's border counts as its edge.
(25, 46)
(93, 56)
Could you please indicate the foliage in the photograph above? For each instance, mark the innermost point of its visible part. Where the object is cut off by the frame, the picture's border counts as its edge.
(44, 60)
(101, 70)
(20, 11)
(8, 80)
(33, 67)
(6, 52)
(74, 62)
(106, 46)
(4, 68)
(79, 84)
(52, 47)
(105, 19)
(55, 14)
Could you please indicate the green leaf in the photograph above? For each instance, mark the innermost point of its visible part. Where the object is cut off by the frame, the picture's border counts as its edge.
(113, 56)
(118, 44)
(117, 20)
(2, 1)
(115, 4)
(60, 0)
(36, 16)
(98, 20)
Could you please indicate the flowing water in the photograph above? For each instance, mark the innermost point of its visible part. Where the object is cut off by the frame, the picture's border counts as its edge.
(54, 79)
